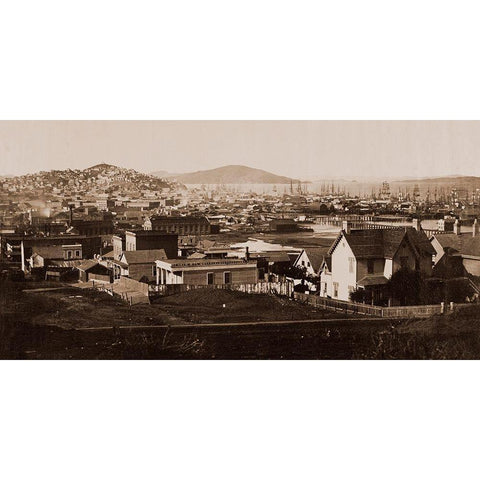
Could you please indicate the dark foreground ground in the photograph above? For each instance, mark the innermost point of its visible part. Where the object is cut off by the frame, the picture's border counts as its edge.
(66, 324)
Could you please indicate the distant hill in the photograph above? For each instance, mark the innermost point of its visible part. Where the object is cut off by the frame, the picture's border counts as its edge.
(466, 183)
(163, 174)
(448, 180)
(98, 178)
(231, 174)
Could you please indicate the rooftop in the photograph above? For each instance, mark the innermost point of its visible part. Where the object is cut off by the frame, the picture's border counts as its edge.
(370, 280)
(150, 233)
(179, 219)
(144, 256)
(200, 262)
(383, 243)
(49, 252)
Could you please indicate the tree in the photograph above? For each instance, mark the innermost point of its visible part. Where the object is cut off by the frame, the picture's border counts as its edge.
(407, 286)
(358, 295)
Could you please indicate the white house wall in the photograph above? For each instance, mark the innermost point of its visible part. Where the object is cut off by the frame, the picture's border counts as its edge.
(341, 270)
(388, 270)
(306, 263)
(326, 284)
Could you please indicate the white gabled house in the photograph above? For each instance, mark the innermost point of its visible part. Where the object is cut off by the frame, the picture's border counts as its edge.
(310, 259)
(367, 258)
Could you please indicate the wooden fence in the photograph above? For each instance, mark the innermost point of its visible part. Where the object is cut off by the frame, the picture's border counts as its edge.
(375, 223)
(277, 288)
(134, 285)
(373, 310)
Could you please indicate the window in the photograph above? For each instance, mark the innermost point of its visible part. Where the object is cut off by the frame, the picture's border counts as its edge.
(351, 262)
(303, 263)
(370, 265)
(308, 264)
(69, 254)
(335, 289)
(154, 270)
(227, 277)
(210, 278)
(77, 253)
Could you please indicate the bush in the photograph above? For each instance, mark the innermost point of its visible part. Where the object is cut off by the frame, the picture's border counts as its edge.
(358, 295)
(407, 287)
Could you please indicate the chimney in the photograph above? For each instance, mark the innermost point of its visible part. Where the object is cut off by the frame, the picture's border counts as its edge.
(71, 215)
(346, 226)
(475, 228)
(247, 254)
(457, 227)
(416, 224)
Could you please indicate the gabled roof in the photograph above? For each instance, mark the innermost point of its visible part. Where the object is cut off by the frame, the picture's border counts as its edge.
(450, 266)
(144, 256)
(420, 241)
(328, 261)
(465, 244)
(87, 265)
(450, 240)
(364, 243)
(316, 255)
(293, 256)
(383, 243)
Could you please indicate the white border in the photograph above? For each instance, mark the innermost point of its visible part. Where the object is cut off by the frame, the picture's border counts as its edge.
(267, 59)
(239, 60)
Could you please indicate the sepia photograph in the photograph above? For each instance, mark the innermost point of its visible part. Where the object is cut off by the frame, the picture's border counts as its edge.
(240, 239)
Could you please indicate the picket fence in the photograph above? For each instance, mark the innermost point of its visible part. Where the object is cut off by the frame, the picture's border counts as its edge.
(372, 310)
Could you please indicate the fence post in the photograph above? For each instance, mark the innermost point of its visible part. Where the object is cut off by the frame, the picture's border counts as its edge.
(442, 308)
(451, 306)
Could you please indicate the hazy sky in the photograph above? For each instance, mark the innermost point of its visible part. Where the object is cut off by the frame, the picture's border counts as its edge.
(300, 149)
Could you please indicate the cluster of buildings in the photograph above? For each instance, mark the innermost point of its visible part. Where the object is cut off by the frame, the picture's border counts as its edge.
(366, 258)
(106, 223)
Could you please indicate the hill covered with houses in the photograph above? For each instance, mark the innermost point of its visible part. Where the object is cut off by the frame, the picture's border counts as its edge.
(102, 178)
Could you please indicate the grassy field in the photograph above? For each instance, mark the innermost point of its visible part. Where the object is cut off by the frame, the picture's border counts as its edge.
(79, 324)
(70, 307)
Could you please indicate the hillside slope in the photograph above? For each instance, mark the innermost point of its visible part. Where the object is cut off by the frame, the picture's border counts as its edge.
(230, 174)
